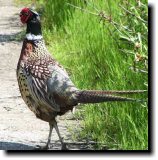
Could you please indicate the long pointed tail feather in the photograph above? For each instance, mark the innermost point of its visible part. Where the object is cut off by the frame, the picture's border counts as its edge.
(122, 92)
(90, 96)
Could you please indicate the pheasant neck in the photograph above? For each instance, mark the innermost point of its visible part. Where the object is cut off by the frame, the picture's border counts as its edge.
(33, 30)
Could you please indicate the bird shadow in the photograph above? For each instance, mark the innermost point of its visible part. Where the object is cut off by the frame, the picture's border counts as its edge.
(15, 146)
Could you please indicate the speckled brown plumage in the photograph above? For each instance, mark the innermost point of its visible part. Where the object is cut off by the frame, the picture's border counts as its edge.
(34, 72)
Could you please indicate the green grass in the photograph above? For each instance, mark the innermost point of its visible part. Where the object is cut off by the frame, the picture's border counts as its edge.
(103, 55)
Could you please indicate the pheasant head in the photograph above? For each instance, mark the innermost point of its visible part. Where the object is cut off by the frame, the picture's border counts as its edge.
(32, 19)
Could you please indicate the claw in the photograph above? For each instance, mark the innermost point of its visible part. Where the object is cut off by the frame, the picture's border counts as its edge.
(46, 147)
(64, 146)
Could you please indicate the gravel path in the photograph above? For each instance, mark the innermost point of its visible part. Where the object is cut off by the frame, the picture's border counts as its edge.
(19, 128)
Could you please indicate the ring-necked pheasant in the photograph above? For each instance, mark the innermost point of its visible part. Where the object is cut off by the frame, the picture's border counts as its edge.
(44, 84)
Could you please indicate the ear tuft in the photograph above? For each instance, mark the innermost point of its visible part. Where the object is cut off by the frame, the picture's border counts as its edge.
(34, 12)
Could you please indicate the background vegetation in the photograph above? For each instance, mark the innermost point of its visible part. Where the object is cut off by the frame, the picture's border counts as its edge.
(103, 45)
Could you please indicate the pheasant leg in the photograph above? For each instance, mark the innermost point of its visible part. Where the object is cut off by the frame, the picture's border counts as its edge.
(47, 146)
(60, 138)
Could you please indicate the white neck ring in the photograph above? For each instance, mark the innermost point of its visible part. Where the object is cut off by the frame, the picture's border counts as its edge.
(30, 36)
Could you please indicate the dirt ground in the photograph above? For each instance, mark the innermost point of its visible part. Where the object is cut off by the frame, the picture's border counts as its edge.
(19, 128)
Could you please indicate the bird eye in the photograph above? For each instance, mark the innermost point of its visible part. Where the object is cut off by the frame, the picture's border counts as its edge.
(24, 14)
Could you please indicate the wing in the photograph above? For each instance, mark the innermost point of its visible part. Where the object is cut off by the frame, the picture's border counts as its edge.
(50, 84)
(61, 87)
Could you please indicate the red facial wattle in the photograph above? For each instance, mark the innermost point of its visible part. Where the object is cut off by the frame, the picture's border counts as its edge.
(25, 14)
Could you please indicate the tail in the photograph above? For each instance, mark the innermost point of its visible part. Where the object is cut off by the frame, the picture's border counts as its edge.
(94, 96)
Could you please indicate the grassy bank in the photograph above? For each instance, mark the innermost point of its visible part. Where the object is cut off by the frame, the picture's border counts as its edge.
(103, 45)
